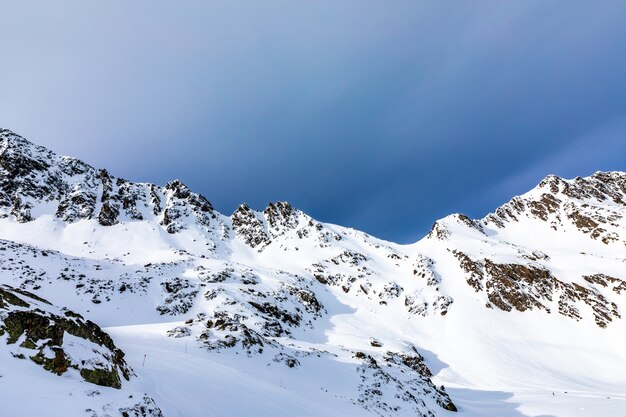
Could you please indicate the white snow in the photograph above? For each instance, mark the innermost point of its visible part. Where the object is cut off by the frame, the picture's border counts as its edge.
(493, 363)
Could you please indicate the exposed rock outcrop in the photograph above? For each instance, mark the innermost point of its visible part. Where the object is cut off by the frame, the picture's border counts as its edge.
(51, 337)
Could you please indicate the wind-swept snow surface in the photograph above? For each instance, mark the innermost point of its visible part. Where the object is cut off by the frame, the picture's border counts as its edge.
(273, 313)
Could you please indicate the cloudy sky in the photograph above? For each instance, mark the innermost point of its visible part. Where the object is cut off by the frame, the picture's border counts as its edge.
(379, 115)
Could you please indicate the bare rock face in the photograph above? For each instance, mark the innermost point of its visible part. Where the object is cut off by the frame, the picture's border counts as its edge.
(183, 206)
(281, 216)
(119, 196)
(180, 295)
(260, 316)
(78, 204)
(500, 255)
(399, 382)
(615, 284)
(42, 331)
(441, 228)
(593, 205)
(32, 176)
(145, 407)
(280, 224)
(529, 287)
(249, 227)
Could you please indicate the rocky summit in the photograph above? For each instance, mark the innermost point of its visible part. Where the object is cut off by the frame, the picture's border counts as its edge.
(133, 299)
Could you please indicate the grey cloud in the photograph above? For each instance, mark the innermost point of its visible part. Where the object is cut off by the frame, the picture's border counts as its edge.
(383, 116)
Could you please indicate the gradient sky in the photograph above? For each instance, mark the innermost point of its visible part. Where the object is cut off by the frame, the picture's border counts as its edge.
(378, 115)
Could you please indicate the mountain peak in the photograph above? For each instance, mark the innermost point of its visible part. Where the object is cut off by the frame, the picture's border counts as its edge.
(349, 324)
(601, 186)
(38, 182)
(9, 137)
(593, 205)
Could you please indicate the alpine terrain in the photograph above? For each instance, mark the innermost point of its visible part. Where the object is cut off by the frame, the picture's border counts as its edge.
(132, 299)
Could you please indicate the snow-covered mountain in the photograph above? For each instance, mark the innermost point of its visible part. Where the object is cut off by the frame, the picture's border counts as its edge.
(152, 303)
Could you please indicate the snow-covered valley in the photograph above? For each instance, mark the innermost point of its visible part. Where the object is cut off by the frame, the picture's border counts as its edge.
(272, 313)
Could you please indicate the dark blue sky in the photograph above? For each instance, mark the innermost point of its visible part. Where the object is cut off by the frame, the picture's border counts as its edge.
(379, 115)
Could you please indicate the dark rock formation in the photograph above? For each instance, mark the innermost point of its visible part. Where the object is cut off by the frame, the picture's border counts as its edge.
(35, 324)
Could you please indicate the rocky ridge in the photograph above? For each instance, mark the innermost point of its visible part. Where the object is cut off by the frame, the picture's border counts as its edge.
(266, 284)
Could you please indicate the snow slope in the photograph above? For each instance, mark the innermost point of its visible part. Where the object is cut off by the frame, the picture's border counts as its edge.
(274, 313)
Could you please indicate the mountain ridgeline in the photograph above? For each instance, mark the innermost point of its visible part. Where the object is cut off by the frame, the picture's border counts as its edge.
(360, 325)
